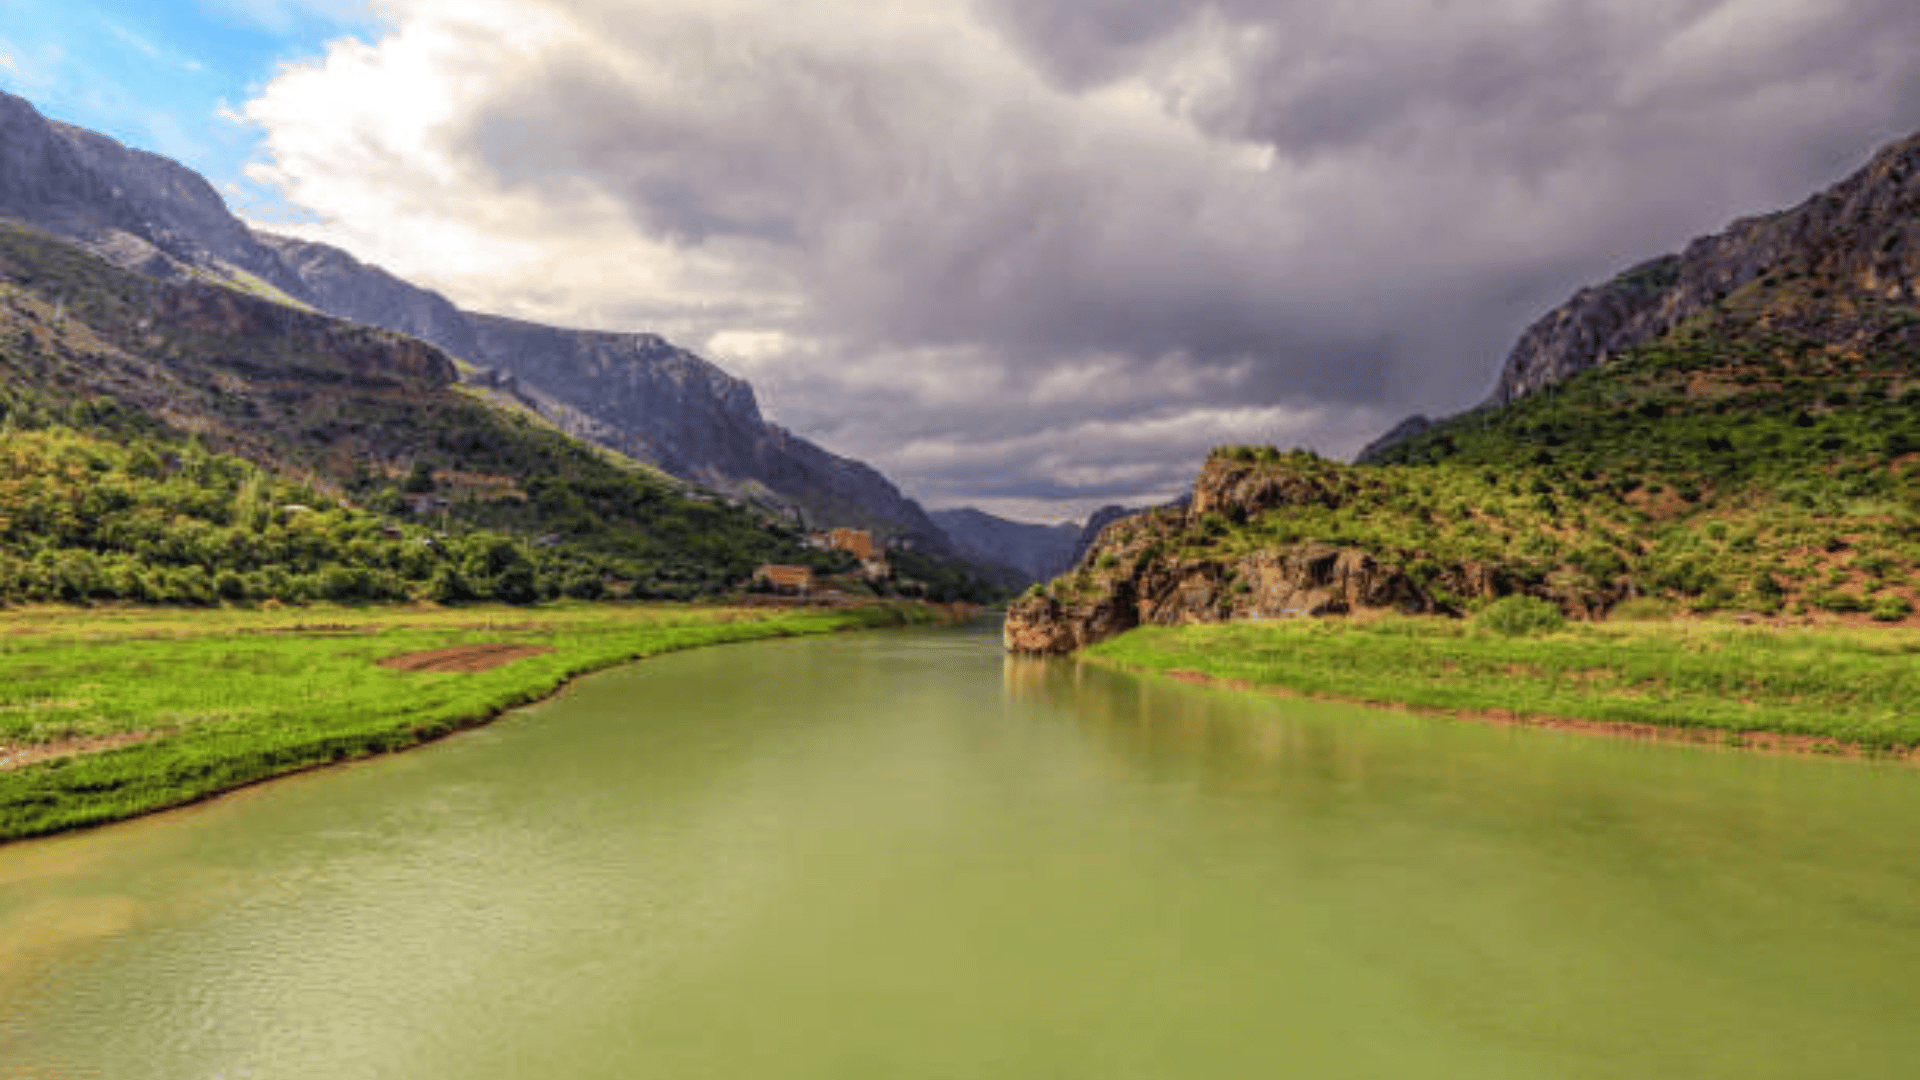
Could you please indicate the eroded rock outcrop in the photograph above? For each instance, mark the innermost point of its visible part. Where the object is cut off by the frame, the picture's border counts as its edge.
(1156, 568)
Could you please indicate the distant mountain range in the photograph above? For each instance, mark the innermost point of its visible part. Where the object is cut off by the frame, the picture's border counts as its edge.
(1023, 552)
(632, 392)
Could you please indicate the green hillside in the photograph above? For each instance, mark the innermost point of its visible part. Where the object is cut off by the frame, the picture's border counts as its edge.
(1763, 457)
(181, 442)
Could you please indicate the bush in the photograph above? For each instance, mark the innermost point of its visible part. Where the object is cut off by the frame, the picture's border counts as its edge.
(1892, 608)
(1520, 616)
(1841, 602)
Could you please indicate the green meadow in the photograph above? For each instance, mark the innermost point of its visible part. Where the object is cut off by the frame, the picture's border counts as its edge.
(1856, 687)
(118, 712)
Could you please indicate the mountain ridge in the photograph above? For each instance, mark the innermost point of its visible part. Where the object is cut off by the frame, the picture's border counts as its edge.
(1823, 236)
(151, 214)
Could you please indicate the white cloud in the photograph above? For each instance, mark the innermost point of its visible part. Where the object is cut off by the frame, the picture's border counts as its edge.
(1010, 237)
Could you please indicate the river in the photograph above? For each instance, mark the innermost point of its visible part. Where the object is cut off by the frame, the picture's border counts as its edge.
(897, 855)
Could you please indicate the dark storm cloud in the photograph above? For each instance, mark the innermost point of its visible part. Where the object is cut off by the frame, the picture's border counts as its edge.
(1007, 231)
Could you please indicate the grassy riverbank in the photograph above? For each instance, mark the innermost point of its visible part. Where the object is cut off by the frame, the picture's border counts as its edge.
(1824, 687)
(106, 714)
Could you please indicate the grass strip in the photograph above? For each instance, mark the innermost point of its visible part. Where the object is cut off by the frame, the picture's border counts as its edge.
(1859, 688)
(228, 698)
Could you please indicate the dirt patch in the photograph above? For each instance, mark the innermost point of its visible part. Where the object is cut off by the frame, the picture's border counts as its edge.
(463, 657)
(19, 757)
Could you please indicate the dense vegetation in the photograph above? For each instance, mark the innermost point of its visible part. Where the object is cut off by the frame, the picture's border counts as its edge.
(214, 700)
(1858, 688)
(1760, 458)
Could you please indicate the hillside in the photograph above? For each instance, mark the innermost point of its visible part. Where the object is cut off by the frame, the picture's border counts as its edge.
(630, 392)
(1746, 438)
(161, 430)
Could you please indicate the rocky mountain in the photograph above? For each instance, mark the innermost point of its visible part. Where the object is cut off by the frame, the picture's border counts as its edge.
(339, 284)
(1736, 428)
(151, 421)
(1032, 552)
(663, 404)
(1861, 236)
(634, 393)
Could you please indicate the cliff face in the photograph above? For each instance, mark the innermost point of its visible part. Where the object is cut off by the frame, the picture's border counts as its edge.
(338, 283)
(43, 180)
(174, 208)
(1861, 236)
(663, 404)
(632, 392)
(1175, 565)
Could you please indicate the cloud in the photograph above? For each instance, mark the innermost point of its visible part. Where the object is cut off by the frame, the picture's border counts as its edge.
(980, 242)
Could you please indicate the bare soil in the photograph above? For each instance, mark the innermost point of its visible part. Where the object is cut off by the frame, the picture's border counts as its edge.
(19, 757)
(464, 658)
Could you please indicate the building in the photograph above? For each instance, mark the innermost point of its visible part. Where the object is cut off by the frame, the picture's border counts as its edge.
(858, 541)
(786, 579)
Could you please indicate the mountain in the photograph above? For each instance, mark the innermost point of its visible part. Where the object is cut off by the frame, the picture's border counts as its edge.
(634, 392)
(1858, 237)
(1031, 552)
(663, 404)
(1862, 236)
(176, 440)
(1736, 428)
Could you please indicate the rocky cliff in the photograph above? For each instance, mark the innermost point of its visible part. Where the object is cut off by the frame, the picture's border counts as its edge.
(663, 404)
(44, 180)
(339, 284)
(1181, 564)
(632, 392)
(1862, 236)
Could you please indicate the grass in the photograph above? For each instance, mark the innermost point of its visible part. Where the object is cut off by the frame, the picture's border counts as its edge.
(1855, 687)
(227, 698)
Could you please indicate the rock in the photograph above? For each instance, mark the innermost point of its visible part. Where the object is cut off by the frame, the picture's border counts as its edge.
(1861, 236)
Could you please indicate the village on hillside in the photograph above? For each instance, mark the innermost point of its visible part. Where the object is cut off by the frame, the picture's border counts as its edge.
(862, 568)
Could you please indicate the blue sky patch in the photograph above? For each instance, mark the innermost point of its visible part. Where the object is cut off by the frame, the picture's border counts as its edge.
(169, 77)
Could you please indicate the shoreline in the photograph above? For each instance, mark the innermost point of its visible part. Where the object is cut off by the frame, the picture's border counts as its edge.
(1183, 666)
(121, 791)
(1766, 742)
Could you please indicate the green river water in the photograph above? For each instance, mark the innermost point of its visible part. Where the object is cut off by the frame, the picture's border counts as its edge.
(902, 855)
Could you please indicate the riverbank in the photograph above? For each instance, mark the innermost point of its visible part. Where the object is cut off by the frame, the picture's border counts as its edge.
(1834, 690)
(107, 714)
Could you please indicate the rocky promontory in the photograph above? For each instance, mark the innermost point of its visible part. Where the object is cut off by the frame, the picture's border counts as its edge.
(1199, 563)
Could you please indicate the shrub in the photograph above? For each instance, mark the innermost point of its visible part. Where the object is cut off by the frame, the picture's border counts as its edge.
(1892, 608)
(1520, 616)
(1841, 602)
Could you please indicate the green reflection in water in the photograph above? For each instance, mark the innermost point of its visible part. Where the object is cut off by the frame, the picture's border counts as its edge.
(904, 855)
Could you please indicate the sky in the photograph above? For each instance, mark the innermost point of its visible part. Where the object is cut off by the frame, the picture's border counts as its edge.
(1029, 255)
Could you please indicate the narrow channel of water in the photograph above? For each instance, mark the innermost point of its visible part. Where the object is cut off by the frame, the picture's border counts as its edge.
(903, 855)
